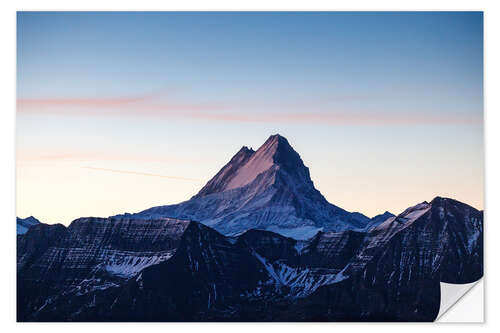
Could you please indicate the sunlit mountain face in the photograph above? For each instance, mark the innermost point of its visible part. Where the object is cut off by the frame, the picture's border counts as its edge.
(269, 189)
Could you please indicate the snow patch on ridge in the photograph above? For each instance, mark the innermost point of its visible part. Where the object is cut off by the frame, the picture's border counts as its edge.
(413, 213)
(302, 281)
(299, 233)
(300, 245)
(124, 265)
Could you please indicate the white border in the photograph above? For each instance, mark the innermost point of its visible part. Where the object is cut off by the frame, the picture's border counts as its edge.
(7, 123)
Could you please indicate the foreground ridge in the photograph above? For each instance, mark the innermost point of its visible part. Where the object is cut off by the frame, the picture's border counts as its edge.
(128, 269)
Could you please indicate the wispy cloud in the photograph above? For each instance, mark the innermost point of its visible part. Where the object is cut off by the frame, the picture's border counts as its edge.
(145, 105)
(108, 101)
(140, 173)
(251, 112)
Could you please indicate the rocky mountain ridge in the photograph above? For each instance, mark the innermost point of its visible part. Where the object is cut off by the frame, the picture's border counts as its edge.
(22, 225)
(257, 243)
(176, 270)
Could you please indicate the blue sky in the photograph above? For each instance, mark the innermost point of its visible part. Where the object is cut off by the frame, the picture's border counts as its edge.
(385, 108)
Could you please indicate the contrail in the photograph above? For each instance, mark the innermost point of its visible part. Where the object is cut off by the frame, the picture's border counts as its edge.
(141, 173)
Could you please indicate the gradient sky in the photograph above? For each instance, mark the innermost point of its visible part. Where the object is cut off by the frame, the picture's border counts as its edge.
(118, 112)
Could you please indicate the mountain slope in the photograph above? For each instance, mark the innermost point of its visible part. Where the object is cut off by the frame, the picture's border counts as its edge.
(378, 219)
(396, 274)
(269, 189)
(90, 254)
(22, 225)
(389, 273)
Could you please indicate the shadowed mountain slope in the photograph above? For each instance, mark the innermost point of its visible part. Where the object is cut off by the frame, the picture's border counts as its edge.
(175, 270)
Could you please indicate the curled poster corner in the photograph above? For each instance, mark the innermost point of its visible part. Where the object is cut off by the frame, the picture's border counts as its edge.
(461, 303)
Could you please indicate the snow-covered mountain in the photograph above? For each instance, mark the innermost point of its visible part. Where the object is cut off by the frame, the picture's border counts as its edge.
(22, 225)
(268, 189)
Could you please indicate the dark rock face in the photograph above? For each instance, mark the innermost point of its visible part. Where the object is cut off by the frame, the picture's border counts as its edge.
(271, 246)
(396, 274)
(118, 247)
(92, 253)
(463, 260)
(31, 246)
(333, 249)
(206, 274)
(390, 273)
(34, 287)
(441, 239)
(206, 278)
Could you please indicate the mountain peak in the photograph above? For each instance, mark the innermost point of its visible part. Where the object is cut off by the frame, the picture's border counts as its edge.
(269, 189)
(277, 138)
(247, 164)
(276, 142)
(245, 150)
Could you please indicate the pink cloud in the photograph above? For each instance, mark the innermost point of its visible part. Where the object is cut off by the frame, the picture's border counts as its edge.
(79, 101)
(150, 105)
